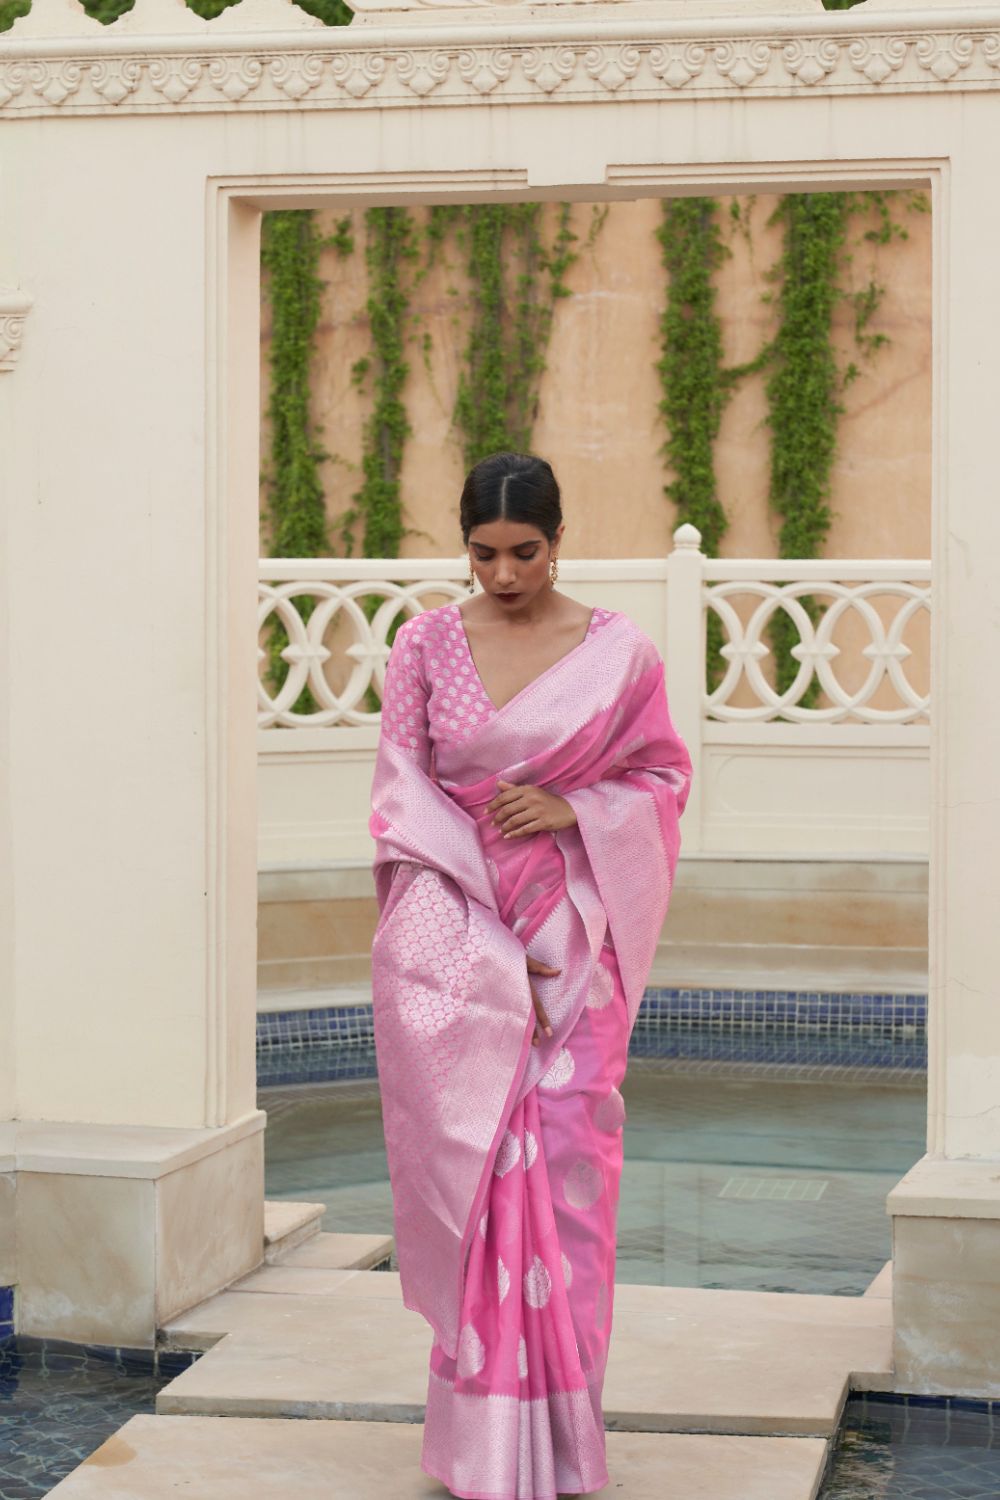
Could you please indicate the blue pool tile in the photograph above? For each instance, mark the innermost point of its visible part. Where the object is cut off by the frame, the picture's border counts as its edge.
(811, 1028)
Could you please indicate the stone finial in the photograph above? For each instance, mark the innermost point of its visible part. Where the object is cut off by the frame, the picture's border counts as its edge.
(687, 538)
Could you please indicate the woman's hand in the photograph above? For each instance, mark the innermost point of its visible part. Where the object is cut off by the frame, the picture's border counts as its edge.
(518, 810)
(535, 966)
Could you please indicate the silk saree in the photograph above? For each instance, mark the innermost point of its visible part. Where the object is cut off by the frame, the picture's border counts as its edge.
(505, 1157)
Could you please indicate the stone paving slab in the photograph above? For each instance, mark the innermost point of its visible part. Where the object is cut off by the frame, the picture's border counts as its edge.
(340, 1252)
(157, 1458)
(682, 1358)
(304, 1281)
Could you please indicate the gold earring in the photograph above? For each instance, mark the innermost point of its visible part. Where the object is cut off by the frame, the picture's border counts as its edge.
(471, 580)
(553, 570)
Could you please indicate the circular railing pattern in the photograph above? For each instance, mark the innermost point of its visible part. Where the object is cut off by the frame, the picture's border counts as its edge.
(306, 654)
(745, 651)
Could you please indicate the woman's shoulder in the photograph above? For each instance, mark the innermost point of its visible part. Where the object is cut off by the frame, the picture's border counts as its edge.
(639, 645)
(625, 623)
(429, 623)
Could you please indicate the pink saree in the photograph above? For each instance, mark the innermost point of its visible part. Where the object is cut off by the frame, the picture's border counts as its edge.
(505, 1158)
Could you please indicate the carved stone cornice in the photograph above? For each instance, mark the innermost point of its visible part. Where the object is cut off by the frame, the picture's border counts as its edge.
(618, 51)
(14, 308)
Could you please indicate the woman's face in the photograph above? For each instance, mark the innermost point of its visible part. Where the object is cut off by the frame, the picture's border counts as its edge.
(511, 560)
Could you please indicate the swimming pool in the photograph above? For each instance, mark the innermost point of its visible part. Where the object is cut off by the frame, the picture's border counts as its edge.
(775, 1183)
(59, 1401)
(770, 1184)
(916, 1448)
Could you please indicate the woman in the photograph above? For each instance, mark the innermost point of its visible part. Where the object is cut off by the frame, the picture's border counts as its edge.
(525, 805)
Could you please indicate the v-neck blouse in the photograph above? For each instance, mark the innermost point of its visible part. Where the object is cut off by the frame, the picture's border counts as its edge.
(433, 690)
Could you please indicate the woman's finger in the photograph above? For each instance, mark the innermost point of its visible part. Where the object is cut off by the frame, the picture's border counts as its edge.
(509, 794)
(540, 1016)
(539, 966)
(535, 1005)
(503, 816)
(537, 825)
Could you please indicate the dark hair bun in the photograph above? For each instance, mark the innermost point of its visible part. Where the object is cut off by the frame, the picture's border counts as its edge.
(511, 487)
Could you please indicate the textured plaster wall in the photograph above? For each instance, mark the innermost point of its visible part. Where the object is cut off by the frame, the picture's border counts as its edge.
(598, 421)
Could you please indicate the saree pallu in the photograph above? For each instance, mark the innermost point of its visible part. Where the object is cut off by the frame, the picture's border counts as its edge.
(504, 1157)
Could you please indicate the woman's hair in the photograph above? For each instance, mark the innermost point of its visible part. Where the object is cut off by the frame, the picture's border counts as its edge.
(511, 487)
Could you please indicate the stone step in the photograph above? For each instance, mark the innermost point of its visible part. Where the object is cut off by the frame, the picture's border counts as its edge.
(287, 1224)
(156, 1458)
(329, 1252)
(809, 967)
(315, 925)
(682, 1359)
(739, 966)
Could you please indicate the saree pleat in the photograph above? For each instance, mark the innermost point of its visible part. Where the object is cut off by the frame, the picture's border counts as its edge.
(505, 1158)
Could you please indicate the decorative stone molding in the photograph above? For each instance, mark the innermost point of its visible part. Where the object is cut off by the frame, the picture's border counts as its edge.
(269, 55)
(14, 308)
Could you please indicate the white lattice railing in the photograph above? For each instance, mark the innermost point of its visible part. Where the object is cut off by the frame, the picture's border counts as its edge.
(837, 761)
(335, 588)
(338, 653)
(881, 600)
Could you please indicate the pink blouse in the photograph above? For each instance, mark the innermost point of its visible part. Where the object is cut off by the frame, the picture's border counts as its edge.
(432, 689)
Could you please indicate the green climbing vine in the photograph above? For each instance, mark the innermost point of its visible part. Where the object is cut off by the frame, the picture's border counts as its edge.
(690, 369)
(290, 251)
(390, 243)
(803, 393)
(515, 279)
(333, 12)
(695, 383)
(804, 383)
(806, 380)
(295, 507)
(690, 366)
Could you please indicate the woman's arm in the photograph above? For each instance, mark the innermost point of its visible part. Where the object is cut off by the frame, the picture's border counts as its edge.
(404, 699)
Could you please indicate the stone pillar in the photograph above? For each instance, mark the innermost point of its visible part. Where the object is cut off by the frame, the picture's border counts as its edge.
(684, 661)
(946, 1211)
(131, 1160)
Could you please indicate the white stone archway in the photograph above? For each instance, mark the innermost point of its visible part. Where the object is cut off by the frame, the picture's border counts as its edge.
(136, 162)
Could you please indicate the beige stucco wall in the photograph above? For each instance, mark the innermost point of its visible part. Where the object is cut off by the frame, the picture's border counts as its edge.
(598, 420)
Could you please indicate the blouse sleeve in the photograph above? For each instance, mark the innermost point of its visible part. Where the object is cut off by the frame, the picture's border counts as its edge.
(404, 699)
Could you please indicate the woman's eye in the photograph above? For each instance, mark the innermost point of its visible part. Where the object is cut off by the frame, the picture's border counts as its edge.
(521, 556)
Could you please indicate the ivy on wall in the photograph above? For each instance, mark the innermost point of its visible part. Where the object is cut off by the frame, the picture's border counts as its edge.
(806, 380)
(333, 12)
(515, 280)
(803, 391)
(690, 365)
(290, 250)
(296, 508)
(804, 383)
(690, 370)
(515, 275)
(390, 244)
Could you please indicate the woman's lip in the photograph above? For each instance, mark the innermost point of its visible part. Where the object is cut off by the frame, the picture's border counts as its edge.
(508, 596)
